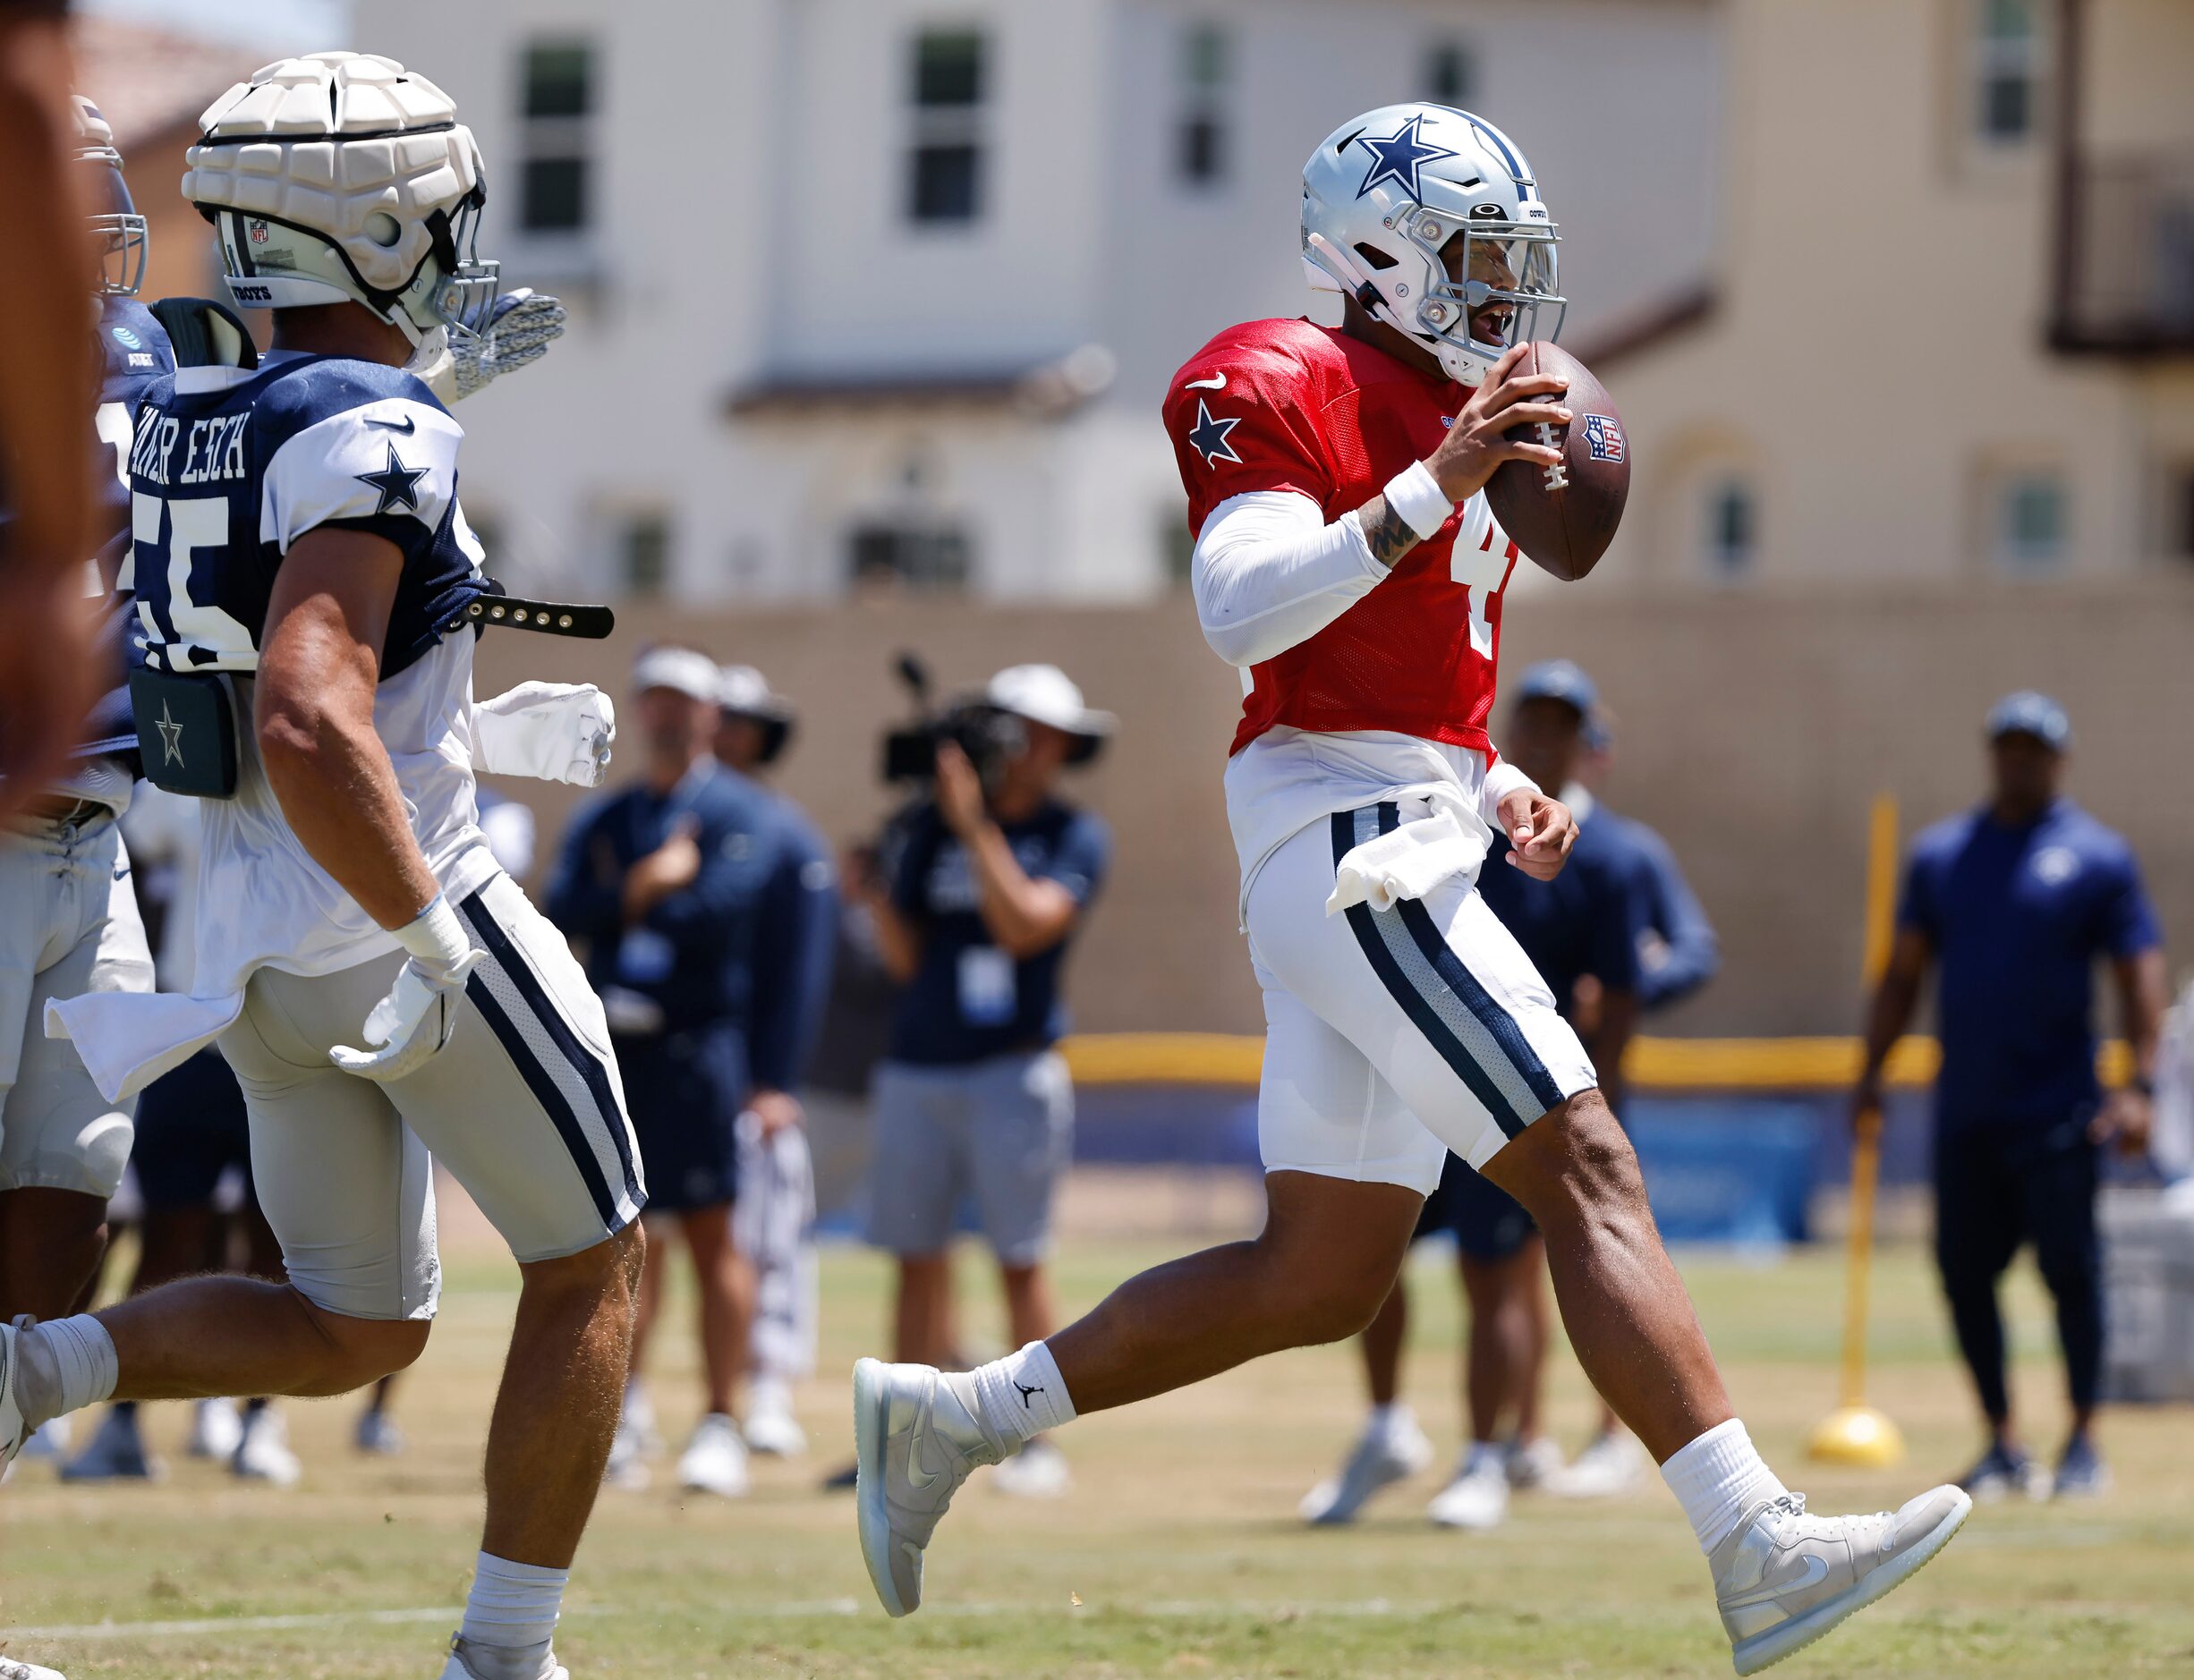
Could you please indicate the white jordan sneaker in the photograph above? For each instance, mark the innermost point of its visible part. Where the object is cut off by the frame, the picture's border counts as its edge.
(10, 1669)
(264, 1454)
(1613, 1465)
(1037, 1472)
(771, 1430)
(715, 1459)
(1783, 1579)
(455, 1669)
(918, 1432)
(216, 1430)
(115, 1453)
(1478, 1497)
(1382, 1456)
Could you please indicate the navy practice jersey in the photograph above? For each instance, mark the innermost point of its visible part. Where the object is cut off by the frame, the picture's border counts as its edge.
(229, 466)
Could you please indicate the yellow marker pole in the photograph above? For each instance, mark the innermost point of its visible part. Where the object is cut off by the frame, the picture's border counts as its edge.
(1855, 1433)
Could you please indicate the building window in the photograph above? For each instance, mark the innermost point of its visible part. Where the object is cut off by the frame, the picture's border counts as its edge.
(2009, 51)
(1451, 72)
(920, 555)
(1732, 530)
(555, 137)
(1206, 69)
(2032, 522)
(643, 546)
(944, 175)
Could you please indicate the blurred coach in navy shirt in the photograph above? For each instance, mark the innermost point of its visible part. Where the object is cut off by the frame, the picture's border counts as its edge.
(2016, 900)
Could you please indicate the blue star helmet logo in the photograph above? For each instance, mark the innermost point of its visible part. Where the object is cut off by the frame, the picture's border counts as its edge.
(1399, 156)
(1208, 437)
(397, 484)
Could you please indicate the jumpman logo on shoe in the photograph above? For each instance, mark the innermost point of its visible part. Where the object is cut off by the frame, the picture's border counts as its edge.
(1026, 1404)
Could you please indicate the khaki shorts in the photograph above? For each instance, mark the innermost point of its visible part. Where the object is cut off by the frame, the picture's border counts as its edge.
(68, 925)
(522, 1107)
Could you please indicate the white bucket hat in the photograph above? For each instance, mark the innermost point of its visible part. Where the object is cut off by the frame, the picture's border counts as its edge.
(1045, 694)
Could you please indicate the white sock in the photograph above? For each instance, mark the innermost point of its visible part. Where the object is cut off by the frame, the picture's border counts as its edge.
(768, 1395)
(510, 1617)
(63, 1365)
(1717, 1479)
(1389, 1418)
(1023, 1395)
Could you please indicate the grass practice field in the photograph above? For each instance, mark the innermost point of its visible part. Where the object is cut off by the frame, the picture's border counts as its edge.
(1177, 1553)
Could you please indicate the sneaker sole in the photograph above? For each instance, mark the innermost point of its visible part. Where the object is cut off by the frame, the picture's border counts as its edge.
(1336, 1514)
(870, 1425)
(1764, 1650)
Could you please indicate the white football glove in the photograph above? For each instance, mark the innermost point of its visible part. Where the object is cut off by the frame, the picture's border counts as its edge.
(554, 732)
(420, 1013)
(519, 330)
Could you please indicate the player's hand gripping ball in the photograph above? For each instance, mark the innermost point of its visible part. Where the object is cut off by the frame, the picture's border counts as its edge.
(1563, 517)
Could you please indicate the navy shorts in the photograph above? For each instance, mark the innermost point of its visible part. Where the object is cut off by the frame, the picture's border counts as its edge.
(192, 1128)
(1488, 1223)
(684, 1091)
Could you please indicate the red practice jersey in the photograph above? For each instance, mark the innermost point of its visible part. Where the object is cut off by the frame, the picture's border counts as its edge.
(1291, 405)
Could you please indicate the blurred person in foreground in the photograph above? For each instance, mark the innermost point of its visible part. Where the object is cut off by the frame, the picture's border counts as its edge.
(990, 885)
(663, 883)
(48, 671)
(1581, 930)
(2016, 901)
(305, 579)
(1348, 563)
(794, 947)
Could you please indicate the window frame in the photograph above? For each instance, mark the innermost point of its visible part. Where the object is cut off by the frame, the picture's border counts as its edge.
(2008, 555)
(938, 129)
(558, 138)
(1990, 60)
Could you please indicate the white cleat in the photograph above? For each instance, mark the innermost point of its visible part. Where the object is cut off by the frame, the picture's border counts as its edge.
(216, 1430)
(715, 1459)
(918, 1432)
(637, 1414)
(1478, 1497)
(1783, 1579)
(771, 1428)
(1532, 1463)
(455, 1668)
(1381, 1457)
(115, 1453)
(1037, 1472)
(10, 1669)
(627, 1469)
(377, 1434)
(1614, 1465)
(264, 1454)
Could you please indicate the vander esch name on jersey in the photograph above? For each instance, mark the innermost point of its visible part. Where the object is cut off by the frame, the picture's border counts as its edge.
(212, 449)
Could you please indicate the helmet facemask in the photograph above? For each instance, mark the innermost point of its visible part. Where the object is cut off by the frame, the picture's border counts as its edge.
(1502, 263)
(120, 232)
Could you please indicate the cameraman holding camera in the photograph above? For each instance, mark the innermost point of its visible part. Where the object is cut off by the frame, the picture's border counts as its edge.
(973, 910)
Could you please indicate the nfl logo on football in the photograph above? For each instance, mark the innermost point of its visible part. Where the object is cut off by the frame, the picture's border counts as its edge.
(1604, 436)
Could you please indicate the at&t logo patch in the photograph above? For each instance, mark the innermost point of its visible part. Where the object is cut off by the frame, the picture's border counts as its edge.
(1603, 437)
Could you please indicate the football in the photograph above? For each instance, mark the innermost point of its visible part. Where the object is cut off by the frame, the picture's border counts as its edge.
(1564, 517)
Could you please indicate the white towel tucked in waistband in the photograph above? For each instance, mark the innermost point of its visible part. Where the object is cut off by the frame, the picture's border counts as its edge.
(1410, 860)
(127, 1039)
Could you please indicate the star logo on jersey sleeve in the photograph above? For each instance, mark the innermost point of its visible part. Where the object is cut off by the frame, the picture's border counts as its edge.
(1399, 156)
(1208, 437)
(398, 484)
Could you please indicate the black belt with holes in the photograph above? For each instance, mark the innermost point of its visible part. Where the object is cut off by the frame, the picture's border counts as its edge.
(553, 618)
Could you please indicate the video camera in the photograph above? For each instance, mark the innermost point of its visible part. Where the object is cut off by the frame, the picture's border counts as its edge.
(989, 736)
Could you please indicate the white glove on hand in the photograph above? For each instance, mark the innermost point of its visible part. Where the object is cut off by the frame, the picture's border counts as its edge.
(420, 1013)
(518, 331)
(554, 732)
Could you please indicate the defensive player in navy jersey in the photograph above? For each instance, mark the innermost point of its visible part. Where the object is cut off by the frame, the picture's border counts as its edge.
(1347, 562)
(380, 985)
(2015, 902)
(69, 921)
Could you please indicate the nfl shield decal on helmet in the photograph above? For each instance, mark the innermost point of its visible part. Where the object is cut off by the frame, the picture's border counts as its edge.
(1603, 437)
(259, 233)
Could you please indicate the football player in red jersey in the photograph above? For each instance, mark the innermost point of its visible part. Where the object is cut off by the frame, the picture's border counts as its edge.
(1347, 562)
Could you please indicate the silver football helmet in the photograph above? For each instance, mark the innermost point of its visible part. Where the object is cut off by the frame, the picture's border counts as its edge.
(1385, 196)
(120, 230)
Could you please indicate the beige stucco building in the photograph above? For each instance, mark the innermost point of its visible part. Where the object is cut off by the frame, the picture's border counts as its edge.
(1947, 334)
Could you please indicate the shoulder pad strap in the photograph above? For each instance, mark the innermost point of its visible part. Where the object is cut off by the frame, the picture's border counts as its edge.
(206, 334)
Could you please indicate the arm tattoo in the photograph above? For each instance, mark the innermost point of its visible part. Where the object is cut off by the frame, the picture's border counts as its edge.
(1386, 531)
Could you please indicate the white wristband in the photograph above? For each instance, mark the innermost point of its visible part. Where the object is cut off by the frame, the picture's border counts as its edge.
(436, 935)
(1417, 495)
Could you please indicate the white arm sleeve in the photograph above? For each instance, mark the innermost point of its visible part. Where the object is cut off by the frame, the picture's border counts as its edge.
(1269, 573)
(1501, 779)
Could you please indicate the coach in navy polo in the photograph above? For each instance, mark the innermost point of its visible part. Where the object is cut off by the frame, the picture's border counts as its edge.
(2016, 901)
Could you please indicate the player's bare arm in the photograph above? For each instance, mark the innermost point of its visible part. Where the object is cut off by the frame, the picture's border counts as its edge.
(2128, 1113)
(313, 715)
(1024, 915)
